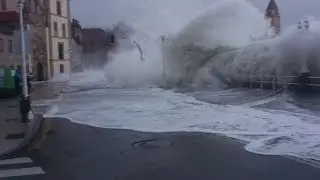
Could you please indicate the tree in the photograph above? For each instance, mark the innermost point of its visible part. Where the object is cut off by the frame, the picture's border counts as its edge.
(37, 20)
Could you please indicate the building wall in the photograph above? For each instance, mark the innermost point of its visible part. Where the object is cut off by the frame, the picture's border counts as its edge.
(7, 58)
(4, 42)
(33, 18)
(59, 38)
(51, 63)
(11, 6)
(57, 64)
(60, 21)
(64, 7)
(55, 51)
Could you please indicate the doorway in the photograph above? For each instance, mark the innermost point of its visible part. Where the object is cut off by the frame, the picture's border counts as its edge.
(40, 76)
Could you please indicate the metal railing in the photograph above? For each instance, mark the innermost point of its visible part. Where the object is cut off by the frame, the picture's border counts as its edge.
(265, 80)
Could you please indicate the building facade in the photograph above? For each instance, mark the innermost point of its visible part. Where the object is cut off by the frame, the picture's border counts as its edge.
(48, 25)
(273, 16)
(7, 57)
(9, 19)
(77, 56)
(60, 36)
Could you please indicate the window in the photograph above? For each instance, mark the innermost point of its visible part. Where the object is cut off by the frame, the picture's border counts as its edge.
(10, 48)
(4, 5)
(55, 28)
(60, 51)
(1, 45)
(59, 8)
(64, 30)
(61, 68)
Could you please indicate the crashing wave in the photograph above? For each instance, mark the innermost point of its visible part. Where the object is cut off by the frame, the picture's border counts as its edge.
(221, 46)
(220, 43)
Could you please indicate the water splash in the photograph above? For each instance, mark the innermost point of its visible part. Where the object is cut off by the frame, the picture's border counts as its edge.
(220, 43)
(212, 45)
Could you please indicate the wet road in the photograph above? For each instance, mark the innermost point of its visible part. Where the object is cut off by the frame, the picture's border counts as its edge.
(81, 152)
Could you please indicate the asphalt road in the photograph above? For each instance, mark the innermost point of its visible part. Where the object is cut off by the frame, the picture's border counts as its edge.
(80, 152)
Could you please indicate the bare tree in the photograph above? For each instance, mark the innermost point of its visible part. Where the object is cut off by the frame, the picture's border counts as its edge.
(36, 16)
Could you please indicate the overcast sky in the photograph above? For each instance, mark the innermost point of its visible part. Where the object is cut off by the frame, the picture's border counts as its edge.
(108, 12)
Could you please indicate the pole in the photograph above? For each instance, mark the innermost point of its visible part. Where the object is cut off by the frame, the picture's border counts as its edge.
(261, 79)
(25, 105)
(137, 44)
(163, 59)
(274, 83)
(250, 80)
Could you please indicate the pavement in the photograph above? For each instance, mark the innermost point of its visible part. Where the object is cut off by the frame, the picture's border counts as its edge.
(12, 132)
(81, 152)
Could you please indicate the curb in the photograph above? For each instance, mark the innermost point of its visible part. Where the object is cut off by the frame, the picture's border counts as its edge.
(33, 129)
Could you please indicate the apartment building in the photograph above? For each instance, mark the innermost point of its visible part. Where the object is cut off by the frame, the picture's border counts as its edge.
(48, 24)
(8, 23)
(7, 57)
(60, 36)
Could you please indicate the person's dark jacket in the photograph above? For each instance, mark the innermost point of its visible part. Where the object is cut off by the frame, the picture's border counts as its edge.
(18, 81)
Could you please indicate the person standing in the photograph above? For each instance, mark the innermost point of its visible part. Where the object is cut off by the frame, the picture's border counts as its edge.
(18, 80)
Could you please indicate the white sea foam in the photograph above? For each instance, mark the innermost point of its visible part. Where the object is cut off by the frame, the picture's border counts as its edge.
(156, 110)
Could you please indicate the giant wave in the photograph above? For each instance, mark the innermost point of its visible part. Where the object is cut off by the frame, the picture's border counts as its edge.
(217, 48)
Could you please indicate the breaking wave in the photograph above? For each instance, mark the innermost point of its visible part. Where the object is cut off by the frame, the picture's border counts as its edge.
(219, 45)
(215, 48)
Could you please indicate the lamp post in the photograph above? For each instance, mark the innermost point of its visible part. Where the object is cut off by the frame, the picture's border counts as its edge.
(135, 42)
(163, 59)
(25, 105)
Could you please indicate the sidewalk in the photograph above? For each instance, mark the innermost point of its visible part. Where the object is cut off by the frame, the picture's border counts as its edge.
(12, 131)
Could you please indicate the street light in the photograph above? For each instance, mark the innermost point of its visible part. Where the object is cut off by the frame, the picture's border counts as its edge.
(25, 105)
(163, 59)
(136, 43)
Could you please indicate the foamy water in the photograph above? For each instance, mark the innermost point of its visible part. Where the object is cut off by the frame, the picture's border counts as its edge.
(156, 110)
(204, 45)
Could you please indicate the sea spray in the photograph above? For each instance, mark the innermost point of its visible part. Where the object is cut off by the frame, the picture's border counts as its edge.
(223, 40)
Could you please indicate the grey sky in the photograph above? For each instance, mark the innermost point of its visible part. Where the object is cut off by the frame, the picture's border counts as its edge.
(108, 12)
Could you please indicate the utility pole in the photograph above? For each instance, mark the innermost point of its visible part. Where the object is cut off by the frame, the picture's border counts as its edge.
(25, 104)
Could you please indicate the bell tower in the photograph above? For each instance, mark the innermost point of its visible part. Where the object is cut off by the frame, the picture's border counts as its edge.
(273, 15)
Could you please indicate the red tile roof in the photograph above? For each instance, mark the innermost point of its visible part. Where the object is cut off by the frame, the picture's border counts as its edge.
(9, 16)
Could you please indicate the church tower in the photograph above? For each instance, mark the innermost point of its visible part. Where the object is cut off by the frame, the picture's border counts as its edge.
(273, 15)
